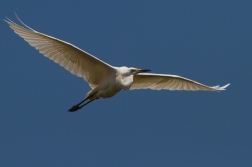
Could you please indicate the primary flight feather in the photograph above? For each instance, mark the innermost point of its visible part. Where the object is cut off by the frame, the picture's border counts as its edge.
(104, 79)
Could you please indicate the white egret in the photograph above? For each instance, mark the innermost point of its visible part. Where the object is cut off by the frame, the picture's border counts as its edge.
(105, 80)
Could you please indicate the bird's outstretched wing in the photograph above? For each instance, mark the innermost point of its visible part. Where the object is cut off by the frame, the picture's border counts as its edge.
(170, 82)
(75, 60)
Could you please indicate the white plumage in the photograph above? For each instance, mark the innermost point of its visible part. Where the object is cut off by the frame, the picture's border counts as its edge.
(104, 79)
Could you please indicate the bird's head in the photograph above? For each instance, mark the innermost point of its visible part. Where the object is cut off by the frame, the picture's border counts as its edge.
(135, 71)
(127, 71)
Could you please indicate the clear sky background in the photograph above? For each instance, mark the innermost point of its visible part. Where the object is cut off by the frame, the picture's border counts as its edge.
(207, 41)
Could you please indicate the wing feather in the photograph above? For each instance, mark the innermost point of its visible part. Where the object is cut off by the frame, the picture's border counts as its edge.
(70, 57)
(170, 82)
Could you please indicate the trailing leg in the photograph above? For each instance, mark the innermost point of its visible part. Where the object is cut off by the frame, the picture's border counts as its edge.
(77, 106)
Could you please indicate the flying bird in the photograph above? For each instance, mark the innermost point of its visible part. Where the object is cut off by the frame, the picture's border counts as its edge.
(105, 80)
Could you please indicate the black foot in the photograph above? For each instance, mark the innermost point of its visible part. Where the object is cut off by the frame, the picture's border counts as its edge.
(74, 108)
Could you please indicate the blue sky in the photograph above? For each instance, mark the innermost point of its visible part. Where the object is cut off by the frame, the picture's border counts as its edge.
(207, 41)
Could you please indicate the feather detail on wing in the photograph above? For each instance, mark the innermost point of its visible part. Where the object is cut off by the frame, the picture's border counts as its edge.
(170, 82)
(73, 59)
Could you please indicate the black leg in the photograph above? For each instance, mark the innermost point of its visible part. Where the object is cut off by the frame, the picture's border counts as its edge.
(79, 106)
(86, 104)
(82, 101)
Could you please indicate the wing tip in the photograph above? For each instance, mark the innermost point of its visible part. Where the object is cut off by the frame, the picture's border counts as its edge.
(221, 88)
(7, 20)
(10, 22)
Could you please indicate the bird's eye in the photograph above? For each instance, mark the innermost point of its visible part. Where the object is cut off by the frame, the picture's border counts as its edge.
(133, 70)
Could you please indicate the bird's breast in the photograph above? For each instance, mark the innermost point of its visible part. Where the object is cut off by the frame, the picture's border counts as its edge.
(125, 81)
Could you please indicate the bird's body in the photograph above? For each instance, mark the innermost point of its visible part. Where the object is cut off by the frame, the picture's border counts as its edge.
(119, 79)
(104, 79)
(110, 86)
